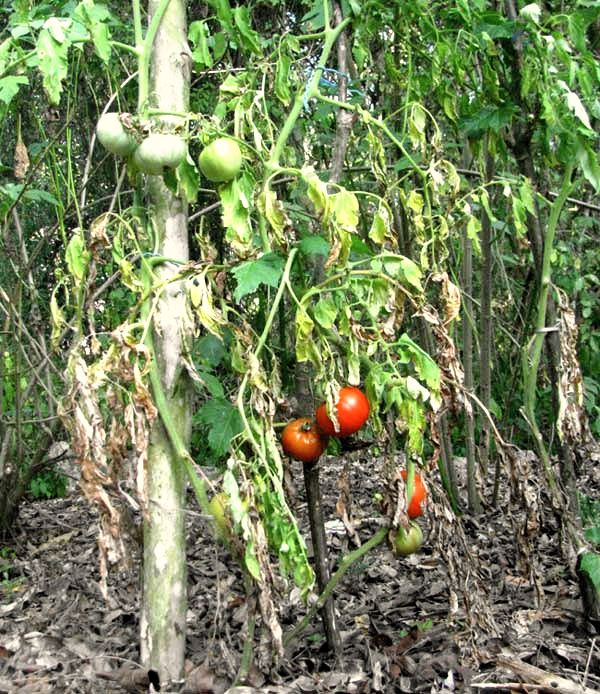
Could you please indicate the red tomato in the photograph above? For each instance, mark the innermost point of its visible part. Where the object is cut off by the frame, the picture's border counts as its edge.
(352, 408)
(301, 440)
(419, 495)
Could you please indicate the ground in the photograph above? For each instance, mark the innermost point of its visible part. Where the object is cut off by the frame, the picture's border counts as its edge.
(483, 607)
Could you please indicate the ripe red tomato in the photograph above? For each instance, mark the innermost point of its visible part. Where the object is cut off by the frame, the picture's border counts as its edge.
(419, 495)
(352, 408)
(301, 440)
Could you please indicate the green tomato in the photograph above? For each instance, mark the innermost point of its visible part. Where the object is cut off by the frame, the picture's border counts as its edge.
(408, 541)
(158, 151)
(221, 160)
(113, 136)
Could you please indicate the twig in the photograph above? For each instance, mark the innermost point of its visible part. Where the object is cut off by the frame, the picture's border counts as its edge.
(540, 679)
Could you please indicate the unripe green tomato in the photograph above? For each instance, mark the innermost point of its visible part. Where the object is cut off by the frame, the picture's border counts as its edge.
(158, 151)
(113, 136)
(221, 160)
(408, 541)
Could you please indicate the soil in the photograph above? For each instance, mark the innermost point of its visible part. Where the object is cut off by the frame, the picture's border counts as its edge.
(489, 604)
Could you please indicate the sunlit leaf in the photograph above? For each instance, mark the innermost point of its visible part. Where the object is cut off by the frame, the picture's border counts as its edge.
(77, 256)
(10, 85)
(380, 225)
(53, 54)
(96, 18)
(531, 11)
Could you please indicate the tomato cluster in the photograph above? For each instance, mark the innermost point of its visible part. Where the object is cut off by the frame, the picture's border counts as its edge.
(306, 438)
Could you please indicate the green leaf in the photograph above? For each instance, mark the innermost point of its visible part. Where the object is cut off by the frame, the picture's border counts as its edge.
(210, 350)
(232, 85)
(531, 11)
(317, 189)
(416, 125)
(251, 562)
(249, 275)
(198, 34)
(9, 87)
(282, 79)
(236, 197)
(306, 350)
(473, 229)
(188, 177)
(326, 312)
(38, 195)
(223, 12)
(344, 210)
(224, 422)
(379, 226)
(404, 268)
(219, 45)
(314, 18)
(314, 245)
(212, 384)
(95, 18)
(6, 48)
(590, 564)
(575, 105)
(52, 49)
(353, 5)
(588, 160)
(77, 256)
(250, 38)
(272, 208)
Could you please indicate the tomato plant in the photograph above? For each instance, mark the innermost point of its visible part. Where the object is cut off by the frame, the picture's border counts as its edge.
(221, 160)
(352, 410)
(419, 495)
(301, 440)
(408, 541)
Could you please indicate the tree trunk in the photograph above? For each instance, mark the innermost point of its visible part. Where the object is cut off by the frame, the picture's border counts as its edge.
(164, 601)
(486, 321)
(467, 301)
